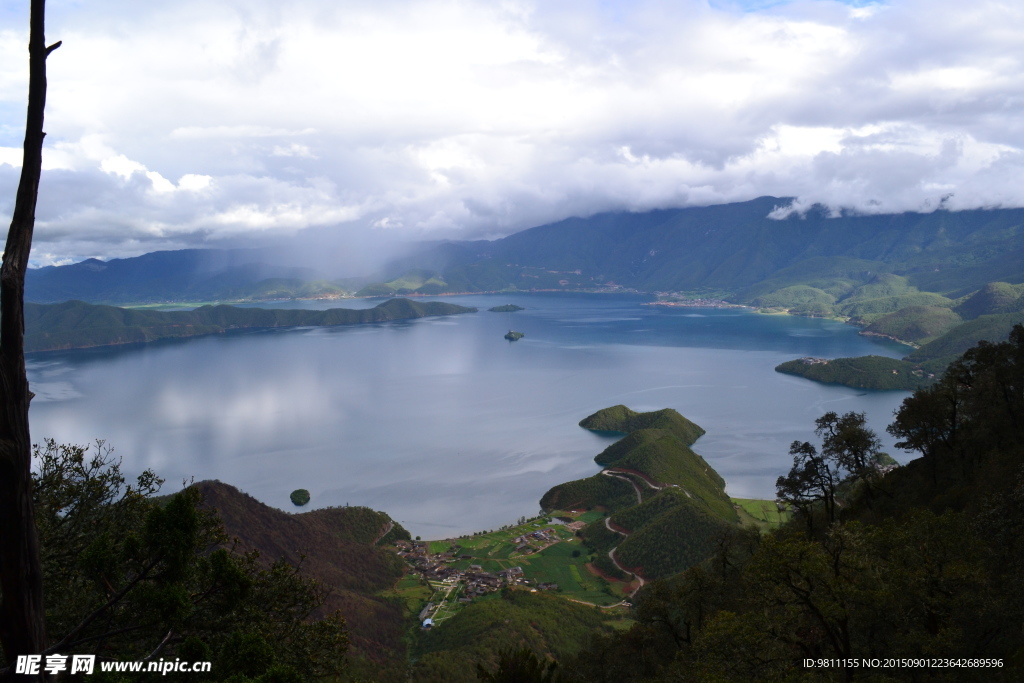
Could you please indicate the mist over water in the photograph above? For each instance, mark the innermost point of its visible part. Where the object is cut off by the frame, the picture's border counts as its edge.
(441, 422)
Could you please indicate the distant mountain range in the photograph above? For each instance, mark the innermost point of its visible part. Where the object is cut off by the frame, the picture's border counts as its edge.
(193, 275)
(733, 249)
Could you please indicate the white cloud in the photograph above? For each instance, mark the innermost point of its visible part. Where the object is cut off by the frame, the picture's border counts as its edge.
(11, 156)
(449, 118)
(194, 182)
(241, 131)
(121, 165)
(293, 150)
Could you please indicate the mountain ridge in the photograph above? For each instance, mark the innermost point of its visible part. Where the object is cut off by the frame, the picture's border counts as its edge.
(736, 246)
(733, 247)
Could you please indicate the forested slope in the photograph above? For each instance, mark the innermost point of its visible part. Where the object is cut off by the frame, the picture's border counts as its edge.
(336, 546)
(739, 248)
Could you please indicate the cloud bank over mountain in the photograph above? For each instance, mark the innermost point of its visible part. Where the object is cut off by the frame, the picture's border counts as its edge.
(221, 123)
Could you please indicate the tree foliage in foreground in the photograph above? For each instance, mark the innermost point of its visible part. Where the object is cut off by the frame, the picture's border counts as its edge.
(849, 455)
(129, 576)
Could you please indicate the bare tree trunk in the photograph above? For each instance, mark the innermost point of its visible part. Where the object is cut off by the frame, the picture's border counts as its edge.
(22, 616)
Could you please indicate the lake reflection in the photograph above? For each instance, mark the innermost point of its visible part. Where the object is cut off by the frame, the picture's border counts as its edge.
(441, 422)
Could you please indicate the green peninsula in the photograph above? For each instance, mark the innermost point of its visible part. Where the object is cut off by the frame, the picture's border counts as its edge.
(939, 331)
(665, 505)
(863, 372)
(76, 324)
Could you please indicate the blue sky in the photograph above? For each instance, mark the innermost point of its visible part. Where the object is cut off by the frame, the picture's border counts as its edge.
(238, 122)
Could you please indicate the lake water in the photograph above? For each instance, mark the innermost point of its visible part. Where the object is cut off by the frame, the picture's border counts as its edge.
(441, 422)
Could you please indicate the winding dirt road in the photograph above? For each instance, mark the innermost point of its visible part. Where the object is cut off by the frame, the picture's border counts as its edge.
(611, 556)
(639, 495)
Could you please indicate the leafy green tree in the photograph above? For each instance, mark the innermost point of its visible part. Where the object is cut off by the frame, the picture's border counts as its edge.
(849, 452)
(849, 442)
(929, 421)
(973, 414)
(993, 376)
(811, 482)
(130, 576)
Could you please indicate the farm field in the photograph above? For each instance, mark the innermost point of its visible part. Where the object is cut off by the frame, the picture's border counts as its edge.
(412, 591)
(591, 516)
(764, 513)
(562, 562)
(556, 564)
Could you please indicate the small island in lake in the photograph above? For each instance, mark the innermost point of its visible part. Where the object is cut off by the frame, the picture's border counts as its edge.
(514, 336)
(300, 497)
(507, 308)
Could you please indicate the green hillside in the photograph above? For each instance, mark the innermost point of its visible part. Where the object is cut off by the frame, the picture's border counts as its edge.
(413, 282)
(805, 299)
(675, 540)
(338, 547)
(944, 331)
(864, 302)
(683, 509)
(76, 324)
(682, 519)
(598, 491)
(992, 299)
(517, 618)
(992, 328)
(621, 419)
(919, 324)
(661, 456)
(638, 516)
(866, 311)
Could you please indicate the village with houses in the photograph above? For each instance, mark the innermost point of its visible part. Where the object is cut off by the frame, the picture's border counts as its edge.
(541, 554)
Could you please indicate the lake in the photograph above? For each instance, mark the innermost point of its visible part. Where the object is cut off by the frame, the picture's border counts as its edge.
(441, 422)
